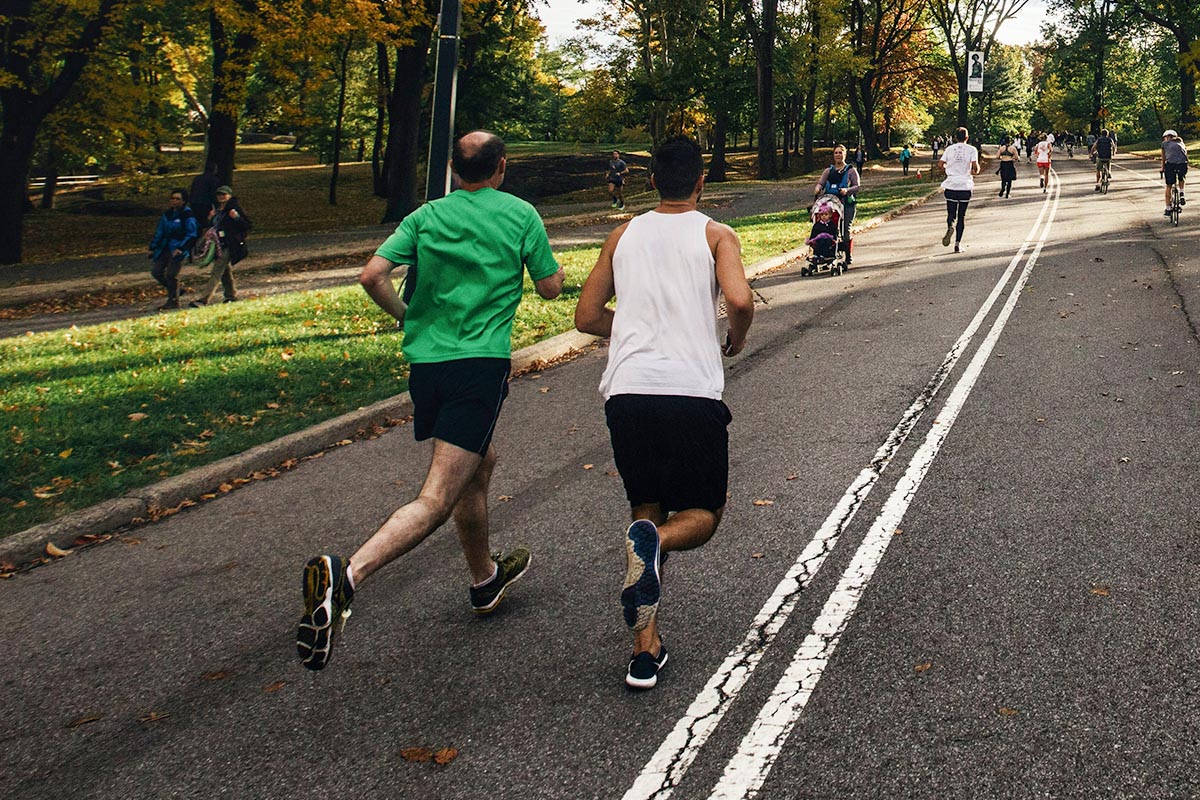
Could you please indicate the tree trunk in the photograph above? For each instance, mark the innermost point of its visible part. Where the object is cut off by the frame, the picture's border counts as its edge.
(16, 158)
(716, 165)
(810, 114)
(765, 55)
(404, 127)
(1187, 89)
(341, 117)
(231, 68)
(382, 98)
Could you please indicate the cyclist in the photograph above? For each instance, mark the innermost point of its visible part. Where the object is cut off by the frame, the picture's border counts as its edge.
(1069, 141)
(1103, 149)
(1174, 165)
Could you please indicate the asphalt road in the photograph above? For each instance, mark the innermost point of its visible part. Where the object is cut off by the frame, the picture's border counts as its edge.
(976, 577)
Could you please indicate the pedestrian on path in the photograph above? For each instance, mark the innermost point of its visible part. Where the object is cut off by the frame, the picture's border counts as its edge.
(1008, 155)
(905, 157)
(1042, 151)
(471, 247)
(231, 225)
(663, 384)
(617, 170)
(841, 179)
(960, 162)
(173, 240)
(860, 159)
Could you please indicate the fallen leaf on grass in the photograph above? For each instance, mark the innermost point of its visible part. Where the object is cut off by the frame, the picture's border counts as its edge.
(154, 716)
(219, 675)
(54, 551)
(66, 453)
(89, 719)
(764, 502)
(274, 687)
(138, 416)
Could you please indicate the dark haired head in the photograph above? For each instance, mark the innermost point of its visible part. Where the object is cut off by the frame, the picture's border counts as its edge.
(678, 165)
(477, 156)
(181, 192)
(1104, 132)
(960, 135)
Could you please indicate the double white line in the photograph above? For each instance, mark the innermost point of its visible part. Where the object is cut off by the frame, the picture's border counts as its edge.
(748, 769)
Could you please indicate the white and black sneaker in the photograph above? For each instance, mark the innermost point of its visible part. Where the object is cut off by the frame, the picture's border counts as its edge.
(644, 669)
(949, 235)
(640, 594)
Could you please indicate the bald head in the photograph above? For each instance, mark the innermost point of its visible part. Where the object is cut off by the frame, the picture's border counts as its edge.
(477, 156)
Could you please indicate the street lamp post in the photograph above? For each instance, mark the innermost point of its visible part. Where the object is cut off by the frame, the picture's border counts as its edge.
(445, 87)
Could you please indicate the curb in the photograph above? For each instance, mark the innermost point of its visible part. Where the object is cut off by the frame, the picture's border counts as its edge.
(165, 496)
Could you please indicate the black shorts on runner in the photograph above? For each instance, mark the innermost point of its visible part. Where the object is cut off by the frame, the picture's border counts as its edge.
(671, 450)
(458, 401)
(1173, 172)
(616, 180)
(957, 195)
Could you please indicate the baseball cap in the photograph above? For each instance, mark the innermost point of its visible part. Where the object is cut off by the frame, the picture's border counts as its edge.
(1169, 132)
(227, 190)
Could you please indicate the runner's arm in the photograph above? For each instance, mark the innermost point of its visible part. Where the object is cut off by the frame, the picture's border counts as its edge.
(731, 277)
(592, 314)
(550, 287)
(376, 278)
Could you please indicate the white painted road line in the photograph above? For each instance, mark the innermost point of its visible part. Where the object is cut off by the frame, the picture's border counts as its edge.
(666, 768)
(746, 772)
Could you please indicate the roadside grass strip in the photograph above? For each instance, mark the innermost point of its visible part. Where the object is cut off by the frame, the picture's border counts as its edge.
(92, 413)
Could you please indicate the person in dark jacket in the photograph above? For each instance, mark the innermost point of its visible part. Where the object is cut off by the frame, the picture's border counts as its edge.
(173, 240)
(231, 225)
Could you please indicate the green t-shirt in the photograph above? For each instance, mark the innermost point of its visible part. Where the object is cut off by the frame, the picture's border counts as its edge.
(469, 249)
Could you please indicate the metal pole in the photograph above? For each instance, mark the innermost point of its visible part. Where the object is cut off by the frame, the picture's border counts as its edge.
(445, 87)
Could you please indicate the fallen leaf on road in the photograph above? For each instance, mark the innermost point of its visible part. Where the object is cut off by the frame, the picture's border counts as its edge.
(1123, 460)
(1005, 711)
(544, 389)
(54, 551)
(504, 498)
(1101, 591)
(75, 723)
(589, 466)
(154, 716)
(793, 476)
(273, 687)
(219, 675)
(923, 667)
(898, 532)
(445, 755)
(612, 473)
(756, 555)
(417, 755)
(764, 502)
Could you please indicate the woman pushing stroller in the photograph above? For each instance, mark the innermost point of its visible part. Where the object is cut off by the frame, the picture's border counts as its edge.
(841, 180)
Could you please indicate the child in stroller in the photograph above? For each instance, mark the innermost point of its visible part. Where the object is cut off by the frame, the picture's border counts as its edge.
(825, 237)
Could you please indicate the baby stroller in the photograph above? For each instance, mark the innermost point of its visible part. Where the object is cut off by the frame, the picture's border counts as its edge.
(825, 239)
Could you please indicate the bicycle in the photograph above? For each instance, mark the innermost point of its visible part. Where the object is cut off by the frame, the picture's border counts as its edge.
(1175, 204)
(1105, 177)
(1070, 150)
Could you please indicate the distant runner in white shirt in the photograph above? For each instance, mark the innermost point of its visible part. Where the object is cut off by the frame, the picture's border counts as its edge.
(960, 162)
(1042, 150)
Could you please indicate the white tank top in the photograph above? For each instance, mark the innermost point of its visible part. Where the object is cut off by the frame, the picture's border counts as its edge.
(664, 333)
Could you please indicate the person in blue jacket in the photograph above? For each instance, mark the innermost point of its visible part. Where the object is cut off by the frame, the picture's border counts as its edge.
(173, 240)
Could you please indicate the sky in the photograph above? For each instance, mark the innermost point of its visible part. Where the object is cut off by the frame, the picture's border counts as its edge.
(559, 18)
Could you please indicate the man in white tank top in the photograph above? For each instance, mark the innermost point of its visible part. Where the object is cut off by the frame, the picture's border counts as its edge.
(664, 381)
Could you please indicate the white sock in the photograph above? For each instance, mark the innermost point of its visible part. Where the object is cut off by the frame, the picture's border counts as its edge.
(490, 578)
(350, 576)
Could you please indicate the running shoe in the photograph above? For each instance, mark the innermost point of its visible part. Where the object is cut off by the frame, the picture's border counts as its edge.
(949, 235)
(957, 248)
(644, 669)
(620, 206)
(639, 597)
(1167, 213)
(509, 570)
(1097, 189)
(327, 596)
(1182, 199)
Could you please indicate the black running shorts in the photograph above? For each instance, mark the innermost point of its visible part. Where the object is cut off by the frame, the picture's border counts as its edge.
(1173, 172)
(458, 401)
(671, 450)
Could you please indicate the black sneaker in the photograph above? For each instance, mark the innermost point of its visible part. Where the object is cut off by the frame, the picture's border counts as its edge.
(639, 598)
(327, 596)
(170, 305)
(509, 570)
(197, 304)
(1167, 213)
(1182, 199)
(644, 668)
(231, 299)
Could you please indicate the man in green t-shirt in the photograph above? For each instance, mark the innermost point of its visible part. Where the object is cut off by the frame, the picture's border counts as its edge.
(470, 251)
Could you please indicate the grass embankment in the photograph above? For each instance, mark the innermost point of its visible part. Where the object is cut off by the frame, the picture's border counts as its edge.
(94, 412)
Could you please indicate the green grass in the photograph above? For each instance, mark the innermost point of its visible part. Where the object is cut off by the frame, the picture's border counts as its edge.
(92, 413)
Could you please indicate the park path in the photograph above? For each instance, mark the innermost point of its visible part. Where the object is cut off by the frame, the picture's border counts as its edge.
(48, 296)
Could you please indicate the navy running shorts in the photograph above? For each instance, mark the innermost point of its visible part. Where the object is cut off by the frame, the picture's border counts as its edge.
(458, 401)
(671, 450)
(1173, 172)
